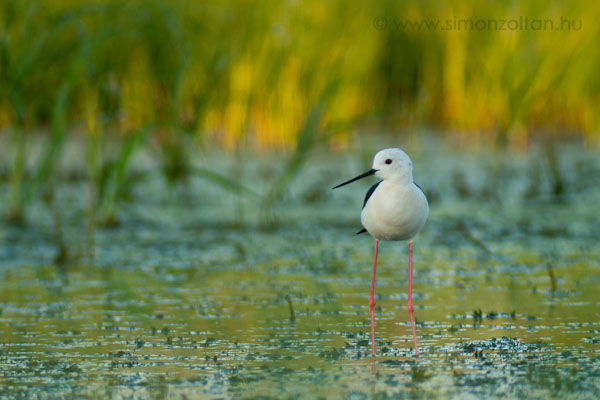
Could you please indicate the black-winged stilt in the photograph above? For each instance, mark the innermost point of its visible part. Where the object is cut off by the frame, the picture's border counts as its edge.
(395, 208)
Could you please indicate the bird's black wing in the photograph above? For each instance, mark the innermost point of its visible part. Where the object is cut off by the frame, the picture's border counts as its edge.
(419, 187)
(370, 192)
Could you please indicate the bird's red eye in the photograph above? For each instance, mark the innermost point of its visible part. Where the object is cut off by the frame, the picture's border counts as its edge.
(388, 161)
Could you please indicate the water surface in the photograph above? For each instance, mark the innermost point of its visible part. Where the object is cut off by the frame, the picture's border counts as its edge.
(193, 298)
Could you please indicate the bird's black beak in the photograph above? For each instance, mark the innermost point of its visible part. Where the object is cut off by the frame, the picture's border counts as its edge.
(368, 173)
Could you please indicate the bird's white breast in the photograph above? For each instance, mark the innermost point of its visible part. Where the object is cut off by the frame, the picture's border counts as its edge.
(395, 212)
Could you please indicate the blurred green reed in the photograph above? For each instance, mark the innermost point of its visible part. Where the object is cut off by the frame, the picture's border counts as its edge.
(187, 75)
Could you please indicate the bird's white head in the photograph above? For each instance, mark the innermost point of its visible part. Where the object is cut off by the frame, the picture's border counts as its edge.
(390, 164)
(393, 164)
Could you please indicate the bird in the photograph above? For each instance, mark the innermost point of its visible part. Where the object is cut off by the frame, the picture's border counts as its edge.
(394, 209)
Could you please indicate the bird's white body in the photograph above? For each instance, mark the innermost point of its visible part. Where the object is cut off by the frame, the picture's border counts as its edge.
(395, 211)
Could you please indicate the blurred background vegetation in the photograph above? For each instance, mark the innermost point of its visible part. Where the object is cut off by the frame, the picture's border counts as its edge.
(175, 77)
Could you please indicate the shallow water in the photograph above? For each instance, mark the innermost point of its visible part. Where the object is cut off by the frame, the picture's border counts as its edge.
(194, 298)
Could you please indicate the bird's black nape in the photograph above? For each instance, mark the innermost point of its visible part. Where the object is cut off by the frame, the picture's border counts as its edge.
(368, 173)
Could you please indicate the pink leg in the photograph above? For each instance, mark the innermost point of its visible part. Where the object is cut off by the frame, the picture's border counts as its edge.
(410, 305)
(372, 299)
